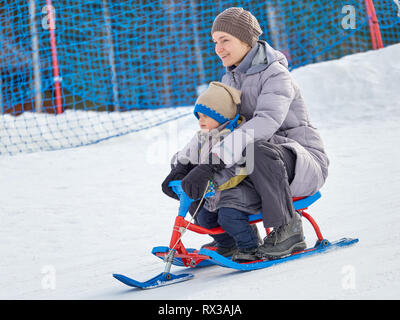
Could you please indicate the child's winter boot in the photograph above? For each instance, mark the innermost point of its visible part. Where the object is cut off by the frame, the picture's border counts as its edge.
(245, 255)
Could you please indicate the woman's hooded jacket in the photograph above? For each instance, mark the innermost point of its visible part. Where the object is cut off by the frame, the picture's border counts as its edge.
(275, 111)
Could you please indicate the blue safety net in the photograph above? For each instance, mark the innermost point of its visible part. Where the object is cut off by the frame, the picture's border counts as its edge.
(129, 65)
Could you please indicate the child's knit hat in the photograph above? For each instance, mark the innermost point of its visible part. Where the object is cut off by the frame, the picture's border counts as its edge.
(219, 102)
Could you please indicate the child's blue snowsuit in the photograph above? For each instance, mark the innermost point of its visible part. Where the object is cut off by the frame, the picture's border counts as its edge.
(236, 224)
(234, 193)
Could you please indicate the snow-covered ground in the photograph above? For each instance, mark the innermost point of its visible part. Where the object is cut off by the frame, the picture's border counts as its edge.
(71, 218)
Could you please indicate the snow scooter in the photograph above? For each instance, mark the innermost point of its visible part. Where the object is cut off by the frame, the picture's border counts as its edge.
(177, 254)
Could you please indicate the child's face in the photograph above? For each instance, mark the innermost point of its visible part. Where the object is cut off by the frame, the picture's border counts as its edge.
(206, 123)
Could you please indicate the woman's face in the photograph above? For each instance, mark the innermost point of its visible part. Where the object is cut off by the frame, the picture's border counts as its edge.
(229, 49)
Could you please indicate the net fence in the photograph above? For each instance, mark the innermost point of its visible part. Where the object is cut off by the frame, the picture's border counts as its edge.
(125, 66)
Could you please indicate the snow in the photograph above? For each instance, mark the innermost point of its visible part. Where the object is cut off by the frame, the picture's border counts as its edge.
(70, 218)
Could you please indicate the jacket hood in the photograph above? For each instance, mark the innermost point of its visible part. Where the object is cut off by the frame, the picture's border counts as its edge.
(259, 58)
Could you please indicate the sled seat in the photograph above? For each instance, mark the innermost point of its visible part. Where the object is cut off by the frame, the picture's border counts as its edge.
(299, 203)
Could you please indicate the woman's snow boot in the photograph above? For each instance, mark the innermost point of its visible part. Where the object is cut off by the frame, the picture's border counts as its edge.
(283, 240)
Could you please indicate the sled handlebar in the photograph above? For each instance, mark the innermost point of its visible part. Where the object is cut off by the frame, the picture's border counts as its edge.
(185, 201)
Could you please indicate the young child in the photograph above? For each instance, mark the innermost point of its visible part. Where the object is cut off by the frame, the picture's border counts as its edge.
(235, 198)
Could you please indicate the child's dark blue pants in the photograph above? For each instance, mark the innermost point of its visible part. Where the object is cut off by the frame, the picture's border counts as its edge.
(234, 222)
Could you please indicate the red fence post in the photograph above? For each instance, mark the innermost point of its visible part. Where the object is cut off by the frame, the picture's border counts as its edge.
(56, 71)
(376, 37)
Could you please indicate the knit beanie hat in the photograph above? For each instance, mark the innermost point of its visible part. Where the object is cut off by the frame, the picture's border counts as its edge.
(239, 23)
(218, 102)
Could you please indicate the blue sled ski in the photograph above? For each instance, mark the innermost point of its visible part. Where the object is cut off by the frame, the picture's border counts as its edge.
(319, 247)
(166, 278)
(163, 279)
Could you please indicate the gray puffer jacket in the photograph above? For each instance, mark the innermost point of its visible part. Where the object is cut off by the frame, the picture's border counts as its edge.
(275, 110)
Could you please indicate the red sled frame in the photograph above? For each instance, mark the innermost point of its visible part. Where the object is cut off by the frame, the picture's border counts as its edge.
(193, 258)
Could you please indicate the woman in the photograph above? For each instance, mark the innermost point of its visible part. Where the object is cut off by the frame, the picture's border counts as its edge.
(288, 153)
